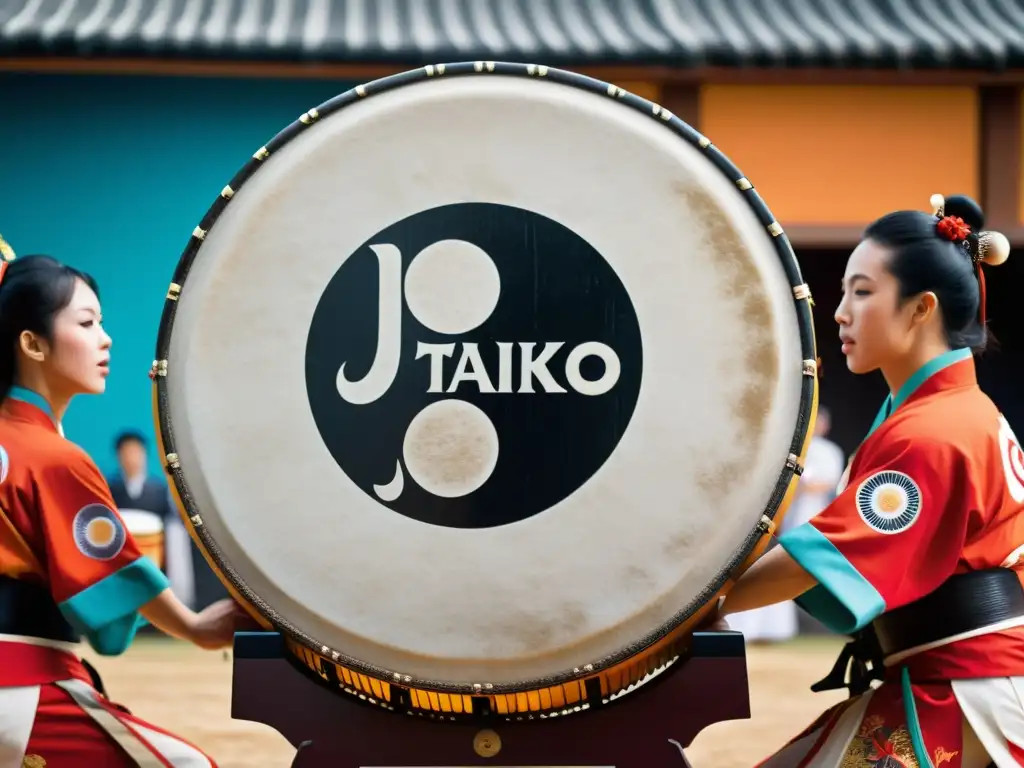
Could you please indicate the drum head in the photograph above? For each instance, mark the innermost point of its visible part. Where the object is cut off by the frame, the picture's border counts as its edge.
(484, 375)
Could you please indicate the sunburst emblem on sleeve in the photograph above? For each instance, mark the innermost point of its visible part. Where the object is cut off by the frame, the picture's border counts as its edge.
(889, 502)
(98, 532)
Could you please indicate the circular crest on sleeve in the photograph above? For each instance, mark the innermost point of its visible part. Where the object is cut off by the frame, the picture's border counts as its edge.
(889, 502)
(98, 532)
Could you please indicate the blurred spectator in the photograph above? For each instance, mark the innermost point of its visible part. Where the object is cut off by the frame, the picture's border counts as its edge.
(823, 469)
(133, 488)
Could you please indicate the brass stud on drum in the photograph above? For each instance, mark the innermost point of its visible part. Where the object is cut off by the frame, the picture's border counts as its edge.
(487, 743)
(793, 462)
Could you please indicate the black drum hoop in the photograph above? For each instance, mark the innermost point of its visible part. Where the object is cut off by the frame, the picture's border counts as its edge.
(802, 303)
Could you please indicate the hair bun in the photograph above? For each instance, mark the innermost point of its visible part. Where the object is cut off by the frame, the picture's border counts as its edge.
(993, 248)
(964, 207)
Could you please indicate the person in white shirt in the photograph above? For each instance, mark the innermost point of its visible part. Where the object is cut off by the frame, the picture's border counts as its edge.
(823, 469)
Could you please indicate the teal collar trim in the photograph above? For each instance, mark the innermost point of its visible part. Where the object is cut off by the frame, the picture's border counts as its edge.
(922, 375)
(37, 400)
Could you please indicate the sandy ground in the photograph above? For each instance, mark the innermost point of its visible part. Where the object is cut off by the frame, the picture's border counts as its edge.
(187, 691)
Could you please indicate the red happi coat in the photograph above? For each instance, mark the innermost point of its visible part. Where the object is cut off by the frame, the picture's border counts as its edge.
(936, 489)
(62, 537)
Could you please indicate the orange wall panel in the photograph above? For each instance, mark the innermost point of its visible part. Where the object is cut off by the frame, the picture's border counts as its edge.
(845, 154)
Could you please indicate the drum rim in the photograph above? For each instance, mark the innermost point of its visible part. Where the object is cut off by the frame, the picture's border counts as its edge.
(784, 252)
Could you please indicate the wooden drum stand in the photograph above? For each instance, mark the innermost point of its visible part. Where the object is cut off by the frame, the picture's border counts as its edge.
(646, 729)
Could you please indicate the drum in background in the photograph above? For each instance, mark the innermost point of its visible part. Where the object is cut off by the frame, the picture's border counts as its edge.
(148, 531)
(480, 383)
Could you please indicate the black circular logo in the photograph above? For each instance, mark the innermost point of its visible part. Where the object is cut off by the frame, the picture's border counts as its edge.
(473, 364)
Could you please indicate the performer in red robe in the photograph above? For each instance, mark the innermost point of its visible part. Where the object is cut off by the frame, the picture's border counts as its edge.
(919, 558)
(69, 568)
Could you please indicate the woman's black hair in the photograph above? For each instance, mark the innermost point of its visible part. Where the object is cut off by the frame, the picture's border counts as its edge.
(923, 260)
(34, 289)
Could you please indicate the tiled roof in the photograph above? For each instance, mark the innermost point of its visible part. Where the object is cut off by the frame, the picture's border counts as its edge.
(983, 34)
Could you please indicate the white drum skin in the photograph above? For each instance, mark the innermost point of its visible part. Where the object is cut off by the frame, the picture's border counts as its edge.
(630, 549)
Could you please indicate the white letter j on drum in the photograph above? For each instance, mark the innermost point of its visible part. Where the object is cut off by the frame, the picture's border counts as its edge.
(389, 330)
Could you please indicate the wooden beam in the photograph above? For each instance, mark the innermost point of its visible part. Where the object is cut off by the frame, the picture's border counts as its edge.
(355, 71)
(846, 237)
(683, 101)
(823, 236)
(1000, 158)
(837, 76)
(364, 70)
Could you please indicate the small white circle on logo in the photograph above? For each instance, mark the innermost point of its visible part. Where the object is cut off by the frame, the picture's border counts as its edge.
(451, 448)
(98, 532)
(889, 502)
(452, 286)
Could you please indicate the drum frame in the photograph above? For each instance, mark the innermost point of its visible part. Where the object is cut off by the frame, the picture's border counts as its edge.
(589, 670)
(341, 732)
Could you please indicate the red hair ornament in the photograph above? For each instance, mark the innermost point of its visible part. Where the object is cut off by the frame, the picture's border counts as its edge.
(953, 228)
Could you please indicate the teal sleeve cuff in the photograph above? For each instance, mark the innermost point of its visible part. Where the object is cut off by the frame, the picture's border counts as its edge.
(843, 600)
(106, 612)
(114, 638)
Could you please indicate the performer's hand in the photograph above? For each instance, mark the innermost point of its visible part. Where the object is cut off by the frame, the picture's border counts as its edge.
(215, 626)
(719, 624)
(714, 621)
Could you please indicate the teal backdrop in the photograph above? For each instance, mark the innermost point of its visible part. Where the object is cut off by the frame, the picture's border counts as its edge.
(111, 174)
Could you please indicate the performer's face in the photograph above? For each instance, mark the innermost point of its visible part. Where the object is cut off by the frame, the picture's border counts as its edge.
(873, 322)
(77, 357)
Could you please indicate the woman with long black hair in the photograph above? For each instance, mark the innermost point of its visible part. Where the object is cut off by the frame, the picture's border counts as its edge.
(919, 557)
(69, 568)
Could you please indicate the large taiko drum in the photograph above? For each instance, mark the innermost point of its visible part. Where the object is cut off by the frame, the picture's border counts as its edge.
(480, 383)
